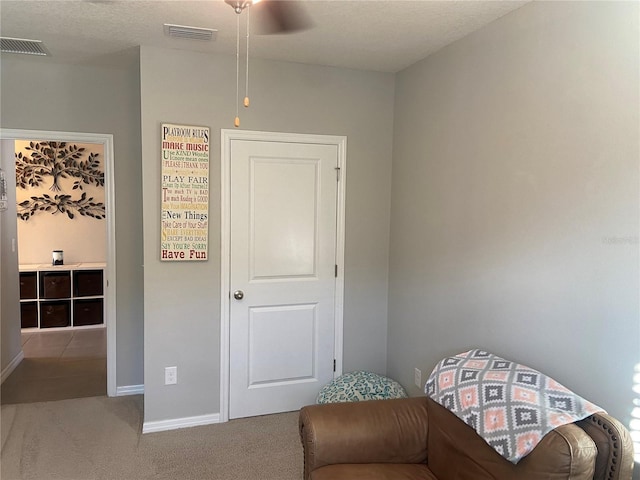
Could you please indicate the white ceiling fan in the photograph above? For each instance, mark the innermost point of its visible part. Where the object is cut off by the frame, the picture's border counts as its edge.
(277, 16)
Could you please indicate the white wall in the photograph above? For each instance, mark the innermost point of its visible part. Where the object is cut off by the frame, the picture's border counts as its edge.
(10, 343)
(182, 303)
(39, 94)
(82, 238)
(515, 199)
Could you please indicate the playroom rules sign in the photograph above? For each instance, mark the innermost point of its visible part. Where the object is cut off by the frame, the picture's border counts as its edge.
(184, 230)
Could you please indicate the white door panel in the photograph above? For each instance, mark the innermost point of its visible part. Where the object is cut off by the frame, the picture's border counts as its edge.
(283, 250)
(292, 328)
(284, 237)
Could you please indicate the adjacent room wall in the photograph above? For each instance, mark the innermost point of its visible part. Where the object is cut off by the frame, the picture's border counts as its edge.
(39, 94)
(82, 239)
(182, 304)
(515, 200)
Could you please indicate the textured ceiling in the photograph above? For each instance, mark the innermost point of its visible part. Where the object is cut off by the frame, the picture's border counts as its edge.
(364, 34)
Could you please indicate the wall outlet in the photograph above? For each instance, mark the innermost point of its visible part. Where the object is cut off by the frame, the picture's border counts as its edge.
(170, 375)
(417, 377)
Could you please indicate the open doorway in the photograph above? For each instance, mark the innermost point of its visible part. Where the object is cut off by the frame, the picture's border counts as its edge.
(68, 309)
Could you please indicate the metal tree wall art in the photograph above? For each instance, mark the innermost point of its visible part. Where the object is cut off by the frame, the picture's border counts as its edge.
(54, 161)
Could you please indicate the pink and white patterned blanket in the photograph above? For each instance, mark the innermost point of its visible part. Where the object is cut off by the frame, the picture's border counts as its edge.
(511, 406)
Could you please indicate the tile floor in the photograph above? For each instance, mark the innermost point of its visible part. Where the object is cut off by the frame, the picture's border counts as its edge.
(65, 344)
(58, 365)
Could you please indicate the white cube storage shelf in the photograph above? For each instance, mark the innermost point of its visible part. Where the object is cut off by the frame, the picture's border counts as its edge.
(62, 296)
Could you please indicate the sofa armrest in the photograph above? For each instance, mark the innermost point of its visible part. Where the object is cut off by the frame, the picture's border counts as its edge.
(615, 447)
(377, 431)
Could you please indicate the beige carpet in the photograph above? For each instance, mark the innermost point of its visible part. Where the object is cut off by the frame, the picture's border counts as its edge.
(100, 438)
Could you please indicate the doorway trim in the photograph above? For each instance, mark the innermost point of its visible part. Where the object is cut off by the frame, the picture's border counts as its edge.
(106, 140)
(226, 136)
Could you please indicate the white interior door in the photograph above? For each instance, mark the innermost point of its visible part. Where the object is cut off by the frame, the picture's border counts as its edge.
(282, 274)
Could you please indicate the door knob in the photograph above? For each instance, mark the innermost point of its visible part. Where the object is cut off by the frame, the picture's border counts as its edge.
(238, 294)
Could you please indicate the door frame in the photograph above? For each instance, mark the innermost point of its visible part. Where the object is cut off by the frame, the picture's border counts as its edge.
(226, 136)
(106, 140)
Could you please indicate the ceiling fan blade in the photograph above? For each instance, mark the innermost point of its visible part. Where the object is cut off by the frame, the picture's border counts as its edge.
(281, 16)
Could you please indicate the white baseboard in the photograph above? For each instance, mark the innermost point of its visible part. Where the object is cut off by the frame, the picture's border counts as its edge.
(129, 390)
(162, 425)
(12, 366)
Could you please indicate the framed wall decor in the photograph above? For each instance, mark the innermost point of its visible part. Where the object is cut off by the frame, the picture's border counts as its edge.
(4, 204)
(184, 222)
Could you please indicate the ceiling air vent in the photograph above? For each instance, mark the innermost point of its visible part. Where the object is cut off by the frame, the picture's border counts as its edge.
(194, 33)
(23, 46)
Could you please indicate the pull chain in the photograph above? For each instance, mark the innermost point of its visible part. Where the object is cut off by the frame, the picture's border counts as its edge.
(237, 120)
(246, 87)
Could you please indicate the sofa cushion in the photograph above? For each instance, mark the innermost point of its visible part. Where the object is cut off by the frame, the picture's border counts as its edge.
(358, 386)
(456, 451)
(374, 471)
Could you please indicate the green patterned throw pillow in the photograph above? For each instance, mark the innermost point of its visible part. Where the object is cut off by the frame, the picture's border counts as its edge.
(358, 386)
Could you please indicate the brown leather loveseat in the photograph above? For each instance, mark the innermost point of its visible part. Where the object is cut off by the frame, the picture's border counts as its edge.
(416, 438)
